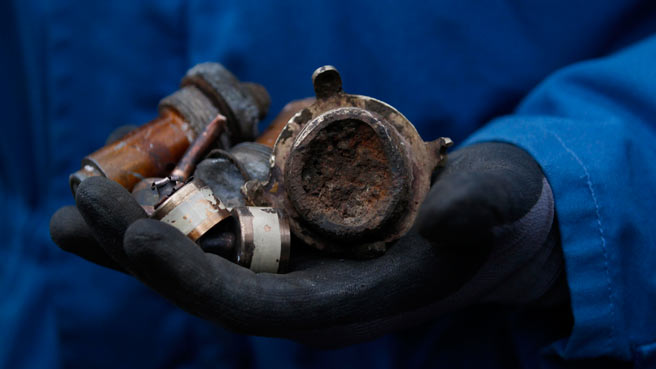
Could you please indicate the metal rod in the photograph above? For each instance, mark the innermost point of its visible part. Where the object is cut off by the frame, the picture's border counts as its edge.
(198, 148)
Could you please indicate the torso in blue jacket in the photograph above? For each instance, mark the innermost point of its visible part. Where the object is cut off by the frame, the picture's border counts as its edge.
(572, 82)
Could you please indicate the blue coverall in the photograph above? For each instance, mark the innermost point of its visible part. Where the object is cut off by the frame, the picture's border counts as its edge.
(572, 82)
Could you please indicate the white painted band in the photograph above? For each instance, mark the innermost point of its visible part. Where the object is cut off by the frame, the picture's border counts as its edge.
(266, 240)
(191, 212)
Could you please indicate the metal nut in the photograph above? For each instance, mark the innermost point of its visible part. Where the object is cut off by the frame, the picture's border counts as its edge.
(243, 103)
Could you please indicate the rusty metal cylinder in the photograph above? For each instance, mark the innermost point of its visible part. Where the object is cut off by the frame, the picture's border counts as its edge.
(262, 239)
(259, 237)
(193, 210)
(199, 148)
(154, 149)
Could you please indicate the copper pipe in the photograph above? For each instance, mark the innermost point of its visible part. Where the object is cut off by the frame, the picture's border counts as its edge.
(155, 188)
(270, 135)
(149, 151)
(154, 149)
(199, 148)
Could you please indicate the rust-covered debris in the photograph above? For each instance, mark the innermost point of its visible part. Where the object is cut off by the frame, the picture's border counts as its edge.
(155, 148)
(344, 173)
(350, 170)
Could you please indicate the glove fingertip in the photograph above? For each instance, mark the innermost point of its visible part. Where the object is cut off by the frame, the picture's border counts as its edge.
(63, 224)
(97, 188)
(108, 209)
(445, 200)
(70, 233)
(102, 201)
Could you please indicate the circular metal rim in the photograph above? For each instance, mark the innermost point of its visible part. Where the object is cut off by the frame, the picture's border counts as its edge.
(272, 191)
(397, 165)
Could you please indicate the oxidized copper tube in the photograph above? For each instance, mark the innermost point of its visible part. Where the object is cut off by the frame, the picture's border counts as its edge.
(154, 149)
(150, 151)
(199, 148)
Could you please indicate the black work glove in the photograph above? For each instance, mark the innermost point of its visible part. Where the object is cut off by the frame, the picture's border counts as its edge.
(486, 233)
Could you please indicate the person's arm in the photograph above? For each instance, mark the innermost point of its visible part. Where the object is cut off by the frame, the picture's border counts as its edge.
(592, 129)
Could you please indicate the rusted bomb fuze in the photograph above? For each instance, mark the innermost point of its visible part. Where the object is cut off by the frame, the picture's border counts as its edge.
(257, 238)
(350, 171)
(154, 149)
(197, 206)
(193, 209)
(152, 190)
(214, 214)
(226, 170)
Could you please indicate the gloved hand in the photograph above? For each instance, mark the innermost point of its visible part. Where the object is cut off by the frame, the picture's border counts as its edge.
(486, 233)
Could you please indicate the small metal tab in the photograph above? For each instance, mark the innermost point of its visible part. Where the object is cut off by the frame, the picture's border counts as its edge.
(327, 82)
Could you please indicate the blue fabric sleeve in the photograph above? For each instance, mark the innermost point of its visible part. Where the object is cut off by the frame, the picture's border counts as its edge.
(592, 128)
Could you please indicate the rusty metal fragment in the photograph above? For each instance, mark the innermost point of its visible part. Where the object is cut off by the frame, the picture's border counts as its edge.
(152, 191)
(257, 238)
(349, 170)
(193, 209)
(199, 148)
(270, 135)
(154, 149)
(214, 214)
(263, 239)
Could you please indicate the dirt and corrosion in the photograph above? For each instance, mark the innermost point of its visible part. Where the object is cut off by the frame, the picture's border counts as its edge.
(327, 181)
(349, 170)
(348, 175)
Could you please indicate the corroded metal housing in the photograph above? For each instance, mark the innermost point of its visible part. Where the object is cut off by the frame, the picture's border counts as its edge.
(350, 171)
